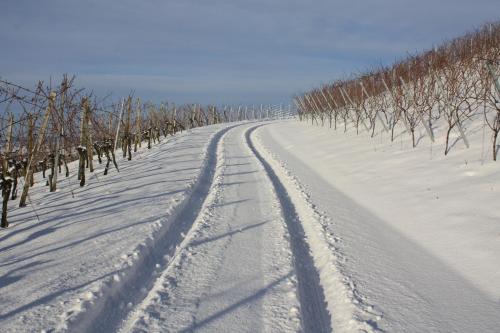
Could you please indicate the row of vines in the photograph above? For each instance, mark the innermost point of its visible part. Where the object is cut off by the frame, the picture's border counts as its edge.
(452, 83)
(43, 129)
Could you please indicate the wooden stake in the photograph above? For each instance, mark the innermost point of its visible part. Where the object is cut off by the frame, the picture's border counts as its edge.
(41, 135)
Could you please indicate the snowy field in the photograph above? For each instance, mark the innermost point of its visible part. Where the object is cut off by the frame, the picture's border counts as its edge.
(263, 226)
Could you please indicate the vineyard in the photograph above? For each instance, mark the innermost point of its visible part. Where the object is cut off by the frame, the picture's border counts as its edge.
(454, 83)
(54, 126)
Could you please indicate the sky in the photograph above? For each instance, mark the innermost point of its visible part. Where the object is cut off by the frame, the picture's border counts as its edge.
(220, 51)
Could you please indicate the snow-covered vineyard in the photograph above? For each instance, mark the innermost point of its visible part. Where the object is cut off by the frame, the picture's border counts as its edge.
(369, 204)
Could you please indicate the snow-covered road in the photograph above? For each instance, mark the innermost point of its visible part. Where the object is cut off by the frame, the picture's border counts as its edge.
(235, 268)
(245, 228)
(239, 268)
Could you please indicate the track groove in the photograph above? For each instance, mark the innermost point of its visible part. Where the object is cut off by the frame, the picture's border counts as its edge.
(315, 316)
(133, 287)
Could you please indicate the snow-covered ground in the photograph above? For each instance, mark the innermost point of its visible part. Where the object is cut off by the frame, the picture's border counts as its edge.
(419, 232)
(264, 226)
(100, 250)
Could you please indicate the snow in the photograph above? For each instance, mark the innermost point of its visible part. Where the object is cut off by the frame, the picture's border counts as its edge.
(420, 234)
(263, 226)
(342, 302)
(105, 236)
(233, 271)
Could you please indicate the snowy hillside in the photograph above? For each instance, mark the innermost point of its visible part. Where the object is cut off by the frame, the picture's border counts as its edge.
(263, 226)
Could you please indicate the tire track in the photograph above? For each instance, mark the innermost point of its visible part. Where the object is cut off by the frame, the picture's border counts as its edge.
(348, 310)
(214, 278)
(107, 314)
(314, 313)
(216, 283)
(166, 280)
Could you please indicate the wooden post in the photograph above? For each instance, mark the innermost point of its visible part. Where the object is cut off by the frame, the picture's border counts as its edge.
(88, 133)
(41, 135)
(8, 147)
(118, 126)
(9, 133)
(175, 119)
(6, 187)
(60, 134)
(313, 113)
(337, 108)
(392, 97)
(427, 129)
(127, 135)
(82, 148)
(331, 109)
(352, 103)
(6, 175)
(55, 167)
(110, 122)
(31, 126)
(496, 80)
(138, 134)
(376, 111)
(462, 133)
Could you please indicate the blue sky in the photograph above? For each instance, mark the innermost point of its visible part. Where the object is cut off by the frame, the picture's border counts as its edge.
(220, 51)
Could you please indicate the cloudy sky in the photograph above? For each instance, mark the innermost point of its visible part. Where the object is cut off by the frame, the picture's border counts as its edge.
(220, 51)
